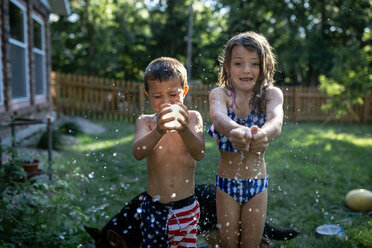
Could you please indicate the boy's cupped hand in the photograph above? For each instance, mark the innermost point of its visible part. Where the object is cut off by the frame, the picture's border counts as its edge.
(162, 120)
(184, 122)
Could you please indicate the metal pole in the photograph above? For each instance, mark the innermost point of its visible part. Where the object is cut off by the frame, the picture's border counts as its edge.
(1, 152)
(189, 42)
(49, 130)
(12, 128)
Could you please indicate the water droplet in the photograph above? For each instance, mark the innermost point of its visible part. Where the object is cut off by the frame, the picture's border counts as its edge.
(156, 198)
(173, 195)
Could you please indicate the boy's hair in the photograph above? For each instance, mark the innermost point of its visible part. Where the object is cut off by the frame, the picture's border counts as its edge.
(164, 69)
(259, 44)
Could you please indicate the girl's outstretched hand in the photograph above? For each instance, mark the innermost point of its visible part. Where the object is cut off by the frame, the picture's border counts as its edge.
(259, 142)
(240, 138)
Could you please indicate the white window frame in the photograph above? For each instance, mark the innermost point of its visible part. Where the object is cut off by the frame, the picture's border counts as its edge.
(41, 52)
(24, 46)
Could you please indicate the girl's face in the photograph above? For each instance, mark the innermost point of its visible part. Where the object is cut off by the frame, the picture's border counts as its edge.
(244, 68)
(165, 92)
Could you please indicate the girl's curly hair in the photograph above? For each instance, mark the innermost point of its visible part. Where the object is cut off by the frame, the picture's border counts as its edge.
(259, 44)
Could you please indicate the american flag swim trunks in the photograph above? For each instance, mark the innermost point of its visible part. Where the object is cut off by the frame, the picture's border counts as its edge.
(169, 225)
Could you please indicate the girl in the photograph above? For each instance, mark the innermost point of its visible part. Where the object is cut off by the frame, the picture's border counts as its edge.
(247, 113)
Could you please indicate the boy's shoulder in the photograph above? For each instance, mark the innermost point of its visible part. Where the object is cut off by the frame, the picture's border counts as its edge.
(146, 118)
(194, 113)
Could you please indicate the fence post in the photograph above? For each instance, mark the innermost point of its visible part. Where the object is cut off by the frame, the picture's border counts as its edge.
(297, 99)
(366, 108)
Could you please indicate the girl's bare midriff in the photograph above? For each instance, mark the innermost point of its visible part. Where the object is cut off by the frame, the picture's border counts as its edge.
(241, 166)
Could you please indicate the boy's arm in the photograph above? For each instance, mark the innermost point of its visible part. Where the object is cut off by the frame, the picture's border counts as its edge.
(193, 137)
(272, 128)
(145, 139)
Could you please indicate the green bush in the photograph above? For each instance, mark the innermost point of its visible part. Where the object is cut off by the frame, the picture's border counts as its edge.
(70, 128)
(39, 213)
(56, 140)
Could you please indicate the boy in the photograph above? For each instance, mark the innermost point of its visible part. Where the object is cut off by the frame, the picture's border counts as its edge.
(169, 211)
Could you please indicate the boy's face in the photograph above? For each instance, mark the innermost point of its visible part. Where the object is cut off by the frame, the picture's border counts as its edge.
(163, 92)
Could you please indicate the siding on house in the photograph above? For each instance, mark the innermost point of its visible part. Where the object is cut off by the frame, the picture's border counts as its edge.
(34, 105)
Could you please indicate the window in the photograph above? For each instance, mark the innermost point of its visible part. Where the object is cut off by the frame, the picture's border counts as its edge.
(18, 51)
(38, 49)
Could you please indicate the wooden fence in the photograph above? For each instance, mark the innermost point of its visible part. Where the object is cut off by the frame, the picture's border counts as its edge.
(102, 98)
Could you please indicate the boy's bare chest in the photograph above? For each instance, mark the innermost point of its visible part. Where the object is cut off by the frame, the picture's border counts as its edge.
(171, 142)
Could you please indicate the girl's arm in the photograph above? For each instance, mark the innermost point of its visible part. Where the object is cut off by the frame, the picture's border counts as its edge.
(145, 139)
(240, 136)
(274, 115)
(218, 112)
(193, 137)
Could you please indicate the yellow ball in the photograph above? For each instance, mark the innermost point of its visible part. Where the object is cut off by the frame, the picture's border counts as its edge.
(359, 200)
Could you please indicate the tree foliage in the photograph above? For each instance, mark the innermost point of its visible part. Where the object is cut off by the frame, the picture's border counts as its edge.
(315, 41)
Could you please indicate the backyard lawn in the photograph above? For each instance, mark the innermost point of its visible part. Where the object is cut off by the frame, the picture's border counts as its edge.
(311, 168)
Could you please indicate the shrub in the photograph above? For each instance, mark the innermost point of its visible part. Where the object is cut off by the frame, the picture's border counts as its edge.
(39, 213)
(70, 128)
(56, 140)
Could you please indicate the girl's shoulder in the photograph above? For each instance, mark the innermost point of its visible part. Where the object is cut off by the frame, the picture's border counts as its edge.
(273, 92)
(222, 95)
(221, 92)
(274, 95)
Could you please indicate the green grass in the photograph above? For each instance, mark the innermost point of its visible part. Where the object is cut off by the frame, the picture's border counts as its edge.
(311, 167)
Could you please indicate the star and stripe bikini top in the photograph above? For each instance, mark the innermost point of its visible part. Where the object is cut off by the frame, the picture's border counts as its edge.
(253, 118)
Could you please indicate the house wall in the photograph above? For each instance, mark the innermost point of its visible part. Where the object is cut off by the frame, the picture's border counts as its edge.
(36, 108)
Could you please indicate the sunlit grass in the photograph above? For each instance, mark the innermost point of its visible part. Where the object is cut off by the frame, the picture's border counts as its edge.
(331, 134)
(91, 145)
(311, 167)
